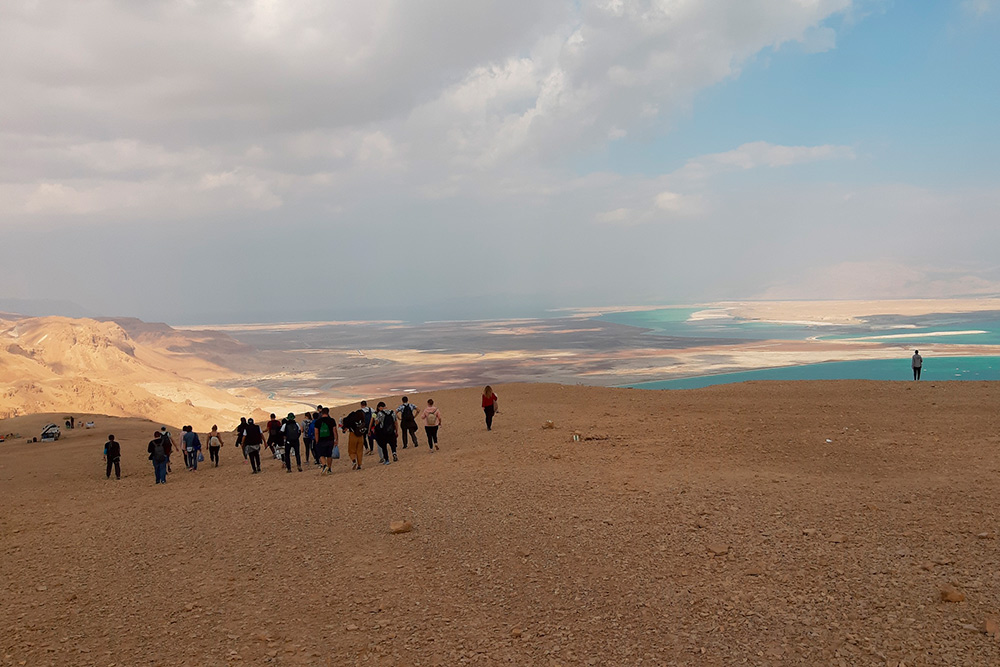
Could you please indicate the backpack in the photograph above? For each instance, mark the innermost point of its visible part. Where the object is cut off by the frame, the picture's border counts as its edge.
(386, 424)
(324, 432)
(292, 430)
(159, 452)
(406, 415)
(432, 417)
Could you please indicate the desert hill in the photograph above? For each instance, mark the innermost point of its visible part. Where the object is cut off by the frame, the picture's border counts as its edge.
(58, 364)
(809, 523)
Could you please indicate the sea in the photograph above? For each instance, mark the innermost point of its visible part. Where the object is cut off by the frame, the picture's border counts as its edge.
(938, 330)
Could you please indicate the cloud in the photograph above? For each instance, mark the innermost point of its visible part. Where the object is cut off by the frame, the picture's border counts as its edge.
(761, 154)
(979, 8)
(686, 192)
(107, 98)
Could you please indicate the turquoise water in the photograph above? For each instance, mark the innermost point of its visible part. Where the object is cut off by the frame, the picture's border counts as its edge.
(919, 331)
(925, 335)
(936, 369)
(674, 322)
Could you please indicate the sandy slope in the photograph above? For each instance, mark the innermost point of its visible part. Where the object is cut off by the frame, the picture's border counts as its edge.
(528, 548)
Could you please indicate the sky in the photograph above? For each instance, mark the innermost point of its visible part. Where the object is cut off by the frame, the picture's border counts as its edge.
(196, 161)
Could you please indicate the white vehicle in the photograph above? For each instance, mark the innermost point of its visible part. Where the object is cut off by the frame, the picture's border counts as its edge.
(51, 433)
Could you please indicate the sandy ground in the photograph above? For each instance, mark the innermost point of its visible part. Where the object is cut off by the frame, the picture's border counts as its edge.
(763, 524)
(851, 312)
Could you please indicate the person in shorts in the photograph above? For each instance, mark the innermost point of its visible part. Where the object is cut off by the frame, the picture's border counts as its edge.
(326, 440)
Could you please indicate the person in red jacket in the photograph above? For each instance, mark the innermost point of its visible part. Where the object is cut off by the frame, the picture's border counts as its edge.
(489, 406)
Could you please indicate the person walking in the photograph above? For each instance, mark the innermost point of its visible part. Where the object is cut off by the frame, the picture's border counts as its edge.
(192, 447)
(253, 440)
(408, 421)
(354, 424)
(240, 433)
(369, 440)
(292, 432)
(273, 429)
(113, 457)
(489, 406)
(916, 362)
(214, 444)
(385, 432)
(432, 420)
(307, 435)
(158, 456)
(326, 441)
(168, 444)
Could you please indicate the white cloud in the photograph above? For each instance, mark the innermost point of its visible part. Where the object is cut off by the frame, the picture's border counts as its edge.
(979, 8)
(451, 96)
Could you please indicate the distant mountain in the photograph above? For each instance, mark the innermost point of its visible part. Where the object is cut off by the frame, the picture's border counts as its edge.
(59, 364)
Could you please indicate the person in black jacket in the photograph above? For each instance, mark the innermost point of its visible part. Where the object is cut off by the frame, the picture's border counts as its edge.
(113, 455)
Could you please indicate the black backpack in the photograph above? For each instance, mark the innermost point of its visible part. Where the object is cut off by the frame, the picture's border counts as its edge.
(407, 415)
(159, 451)
(386, 425)
(292, 430)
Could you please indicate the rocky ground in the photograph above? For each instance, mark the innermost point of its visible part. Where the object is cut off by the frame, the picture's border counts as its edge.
(764, 524)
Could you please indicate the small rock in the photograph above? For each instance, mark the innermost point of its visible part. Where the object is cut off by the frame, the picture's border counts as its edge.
(927, 566)
(809, 531)
(351, 627)
(516, 633)
(837, 539)
(951, 594)
(755, 571)
(991, 626)
(549, 424)
(397, 527)
(718, 549)
(985, 536)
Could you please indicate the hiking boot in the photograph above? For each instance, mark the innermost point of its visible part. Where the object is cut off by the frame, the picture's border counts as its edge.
(394, 455)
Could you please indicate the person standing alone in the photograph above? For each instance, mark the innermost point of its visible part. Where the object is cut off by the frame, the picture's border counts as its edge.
(408, 421)
(917, 363)
(113, 455)
(489, 406)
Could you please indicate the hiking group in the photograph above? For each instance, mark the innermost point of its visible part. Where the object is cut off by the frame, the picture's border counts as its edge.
(317, 437)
